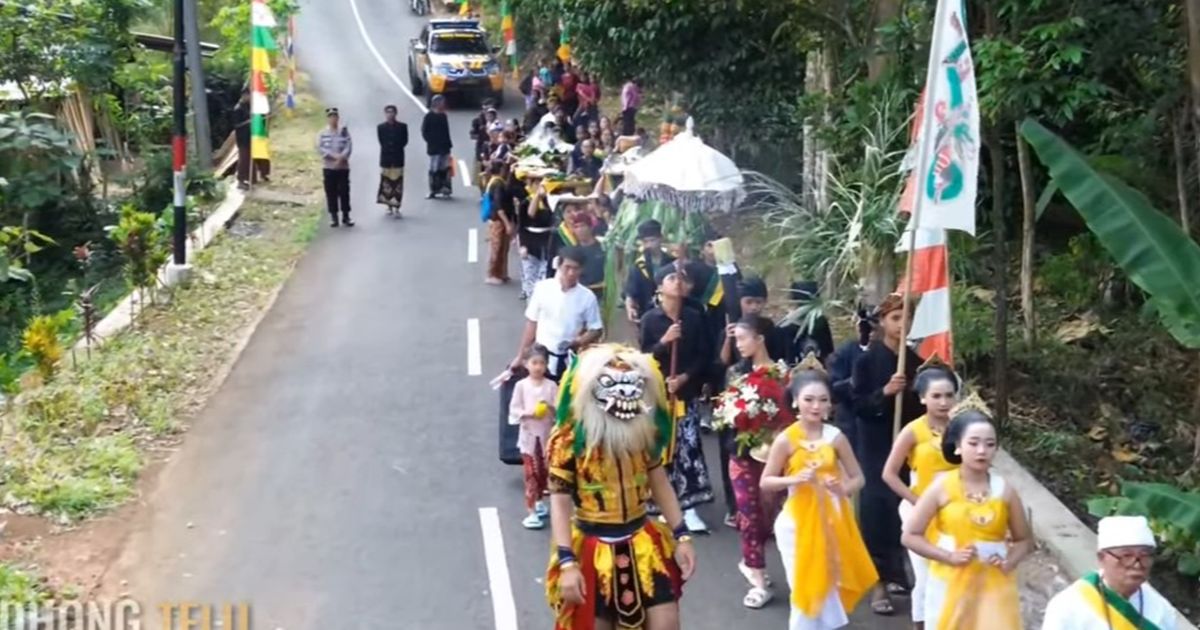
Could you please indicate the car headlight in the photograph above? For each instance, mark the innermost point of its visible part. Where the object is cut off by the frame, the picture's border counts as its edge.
(443, 68)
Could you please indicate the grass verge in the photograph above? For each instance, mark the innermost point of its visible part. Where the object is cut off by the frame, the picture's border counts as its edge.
(75, 446)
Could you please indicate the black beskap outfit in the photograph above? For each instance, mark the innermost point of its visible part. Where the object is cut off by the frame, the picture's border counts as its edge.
(797, 345)
(241, 136)
(878, 505)
(688, 470)
(841, 375)
(393, 138)
(435, 130)
(639, 283)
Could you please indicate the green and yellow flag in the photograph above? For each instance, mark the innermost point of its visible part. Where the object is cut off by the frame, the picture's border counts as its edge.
(510, 34)
(564, 42)
(464, 7)
(262, 42)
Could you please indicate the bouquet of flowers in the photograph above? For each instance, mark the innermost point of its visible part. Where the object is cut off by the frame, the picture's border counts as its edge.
(753, 407)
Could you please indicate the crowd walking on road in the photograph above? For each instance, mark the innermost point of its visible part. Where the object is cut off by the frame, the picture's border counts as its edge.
(867, 465)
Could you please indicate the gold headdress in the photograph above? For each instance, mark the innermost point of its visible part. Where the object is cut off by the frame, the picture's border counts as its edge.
(935, 362)
(810, 364)
(971, 403)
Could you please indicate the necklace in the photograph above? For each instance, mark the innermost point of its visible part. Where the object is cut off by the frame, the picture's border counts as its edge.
(1107, 618)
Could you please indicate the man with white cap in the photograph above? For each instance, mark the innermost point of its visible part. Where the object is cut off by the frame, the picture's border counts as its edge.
(1117, 596)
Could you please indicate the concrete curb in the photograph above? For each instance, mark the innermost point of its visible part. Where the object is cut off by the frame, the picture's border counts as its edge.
(1071, 542)
(120, 317)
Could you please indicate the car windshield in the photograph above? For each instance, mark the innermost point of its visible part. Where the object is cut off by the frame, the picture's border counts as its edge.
(458, 44)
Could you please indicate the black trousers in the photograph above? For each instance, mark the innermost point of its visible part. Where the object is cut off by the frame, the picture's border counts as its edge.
(629, 122)
(337, 192)
(243, 164)
(727, 446)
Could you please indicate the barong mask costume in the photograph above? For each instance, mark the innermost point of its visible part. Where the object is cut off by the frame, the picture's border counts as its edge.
(612, 430)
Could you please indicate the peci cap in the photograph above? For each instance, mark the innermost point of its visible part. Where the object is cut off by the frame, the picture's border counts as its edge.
(664, 271)
(752, 287)
(1124, 531)
(650, 229)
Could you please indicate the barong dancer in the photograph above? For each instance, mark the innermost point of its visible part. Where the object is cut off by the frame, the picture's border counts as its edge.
(613, 567)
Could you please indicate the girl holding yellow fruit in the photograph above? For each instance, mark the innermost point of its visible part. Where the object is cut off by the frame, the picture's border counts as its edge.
(533, 407)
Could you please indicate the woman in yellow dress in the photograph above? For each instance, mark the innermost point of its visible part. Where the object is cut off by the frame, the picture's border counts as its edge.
(828, 567)
(919, 445)
(981, 529)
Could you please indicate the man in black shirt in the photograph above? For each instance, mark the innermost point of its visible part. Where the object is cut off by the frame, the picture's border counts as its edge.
(479, 133)
(673, 330)
(639, 284)
(435, 129)
(241, 136)
(393, 138)
(876, 386)
(594, 258)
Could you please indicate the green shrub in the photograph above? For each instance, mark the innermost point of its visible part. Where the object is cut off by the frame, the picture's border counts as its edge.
(1076, 276)
(974, 323)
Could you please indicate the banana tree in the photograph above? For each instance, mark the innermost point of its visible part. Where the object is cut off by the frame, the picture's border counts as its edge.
(1152, 250)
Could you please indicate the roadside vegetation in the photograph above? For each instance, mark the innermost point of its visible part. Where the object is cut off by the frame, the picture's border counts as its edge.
(82, 225)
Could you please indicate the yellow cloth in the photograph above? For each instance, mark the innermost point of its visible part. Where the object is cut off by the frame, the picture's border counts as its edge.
(926, 462)
(653, 548)
(607, 490)
(926, 459)
(829, 548)
(978, 596)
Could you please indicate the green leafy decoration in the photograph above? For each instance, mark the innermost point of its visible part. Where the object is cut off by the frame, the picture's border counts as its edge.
(1155, 253)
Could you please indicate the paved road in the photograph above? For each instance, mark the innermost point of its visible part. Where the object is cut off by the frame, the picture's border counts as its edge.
(345, 476)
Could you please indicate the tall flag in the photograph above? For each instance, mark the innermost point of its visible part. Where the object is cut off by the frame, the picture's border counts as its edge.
(262, 23)
(945, 153)
(510, 34)
(564, 42)
(931, 321)
(943, 166)
(291, 59)
(464, 7)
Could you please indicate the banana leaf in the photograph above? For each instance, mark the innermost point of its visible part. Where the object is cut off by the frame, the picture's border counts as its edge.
(1154, 252)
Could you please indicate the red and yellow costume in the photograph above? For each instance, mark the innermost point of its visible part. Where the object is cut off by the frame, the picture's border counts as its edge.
(612, 431)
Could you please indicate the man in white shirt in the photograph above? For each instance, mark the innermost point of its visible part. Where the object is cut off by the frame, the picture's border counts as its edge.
(1118, 595)
(561, 315)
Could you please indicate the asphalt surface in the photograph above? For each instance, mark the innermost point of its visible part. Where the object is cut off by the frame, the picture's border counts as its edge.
(337, 479)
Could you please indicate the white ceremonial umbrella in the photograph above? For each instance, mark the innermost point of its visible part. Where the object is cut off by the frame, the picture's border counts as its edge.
(688, 174)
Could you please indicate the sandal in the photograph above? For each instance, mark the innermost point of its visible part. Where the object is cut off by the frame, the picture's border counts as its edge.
(883, 606)
(757, 598)
(749, 576)
(896, 589)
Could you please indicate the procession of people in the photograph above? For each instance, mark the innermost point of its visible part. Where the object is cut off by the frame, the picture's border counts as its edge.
(613, 406)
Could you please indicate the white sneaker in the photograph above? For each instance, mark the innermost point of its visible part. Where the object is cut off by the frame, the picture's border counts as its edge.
(533, 521)
(541, 509)
(694, 523)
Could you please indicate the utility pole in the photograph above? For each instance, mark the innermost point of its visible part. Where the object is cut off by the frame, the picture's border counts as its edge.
(179, 149)
(203, 139)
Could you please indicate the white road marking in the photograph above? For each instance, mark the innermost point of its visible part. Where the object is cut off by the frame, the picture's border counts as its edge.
(472, 245)
(474, 363)
(466, 173)
(362, 29)
(504, 607)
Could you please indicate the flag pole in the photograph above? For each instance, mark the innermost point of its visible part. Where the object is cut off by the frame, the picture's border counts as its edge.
(914, 222)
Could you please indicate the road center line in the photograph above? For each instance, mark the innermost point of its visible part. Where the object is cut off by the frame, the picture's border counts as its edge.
(473, 245)
(504, 607)
(362, 29)
(466, 173)
(474, 363)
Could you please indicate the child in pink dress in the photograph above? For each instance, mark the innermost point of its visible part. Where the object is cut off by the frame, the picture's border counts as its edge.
(533, 405)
